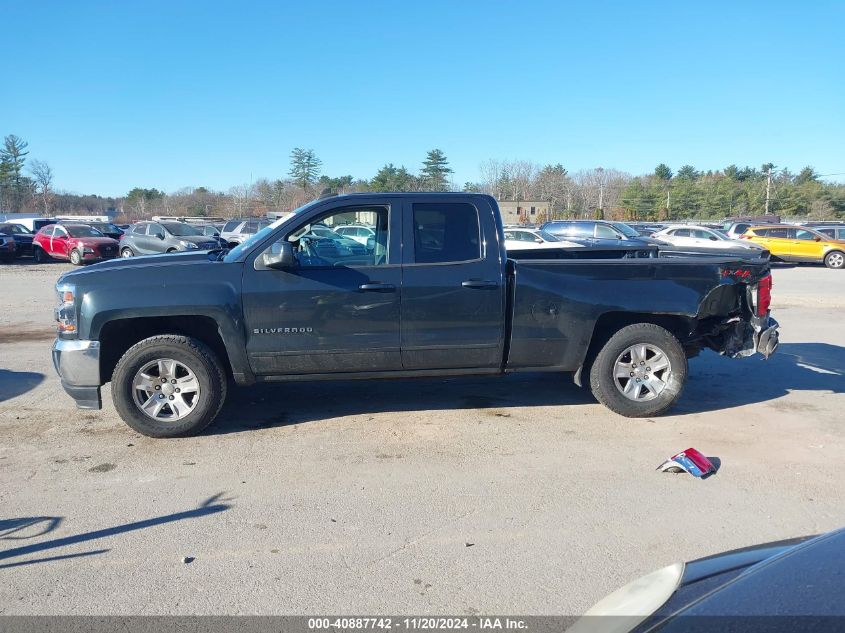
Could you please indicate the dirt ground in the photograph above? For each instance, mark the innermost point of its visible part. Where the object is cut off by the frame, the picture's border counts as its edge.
(458, 496)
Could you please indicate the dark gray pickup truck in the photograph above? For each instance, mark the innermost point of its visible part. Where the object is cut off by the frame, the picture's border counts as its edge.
(430, 291)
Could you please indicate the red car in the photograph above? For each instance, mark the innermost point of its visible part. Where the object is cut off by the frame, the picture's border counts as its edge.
(78, 243)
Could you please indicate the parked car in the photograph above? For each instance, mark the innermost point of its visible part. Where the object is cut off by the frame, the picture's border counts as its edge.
(8, 248)
(691, 236)
(212, 231)
(441, 299)
(106, 228)
(331, 245)
(836, 232)
(77, 243)
(798, 244)
(236, 231)
(646, 229)
(148, 238)
(777, 587)
(361, 234)
(524, 239)
(23, 237)
(35, 224)
(599, 229)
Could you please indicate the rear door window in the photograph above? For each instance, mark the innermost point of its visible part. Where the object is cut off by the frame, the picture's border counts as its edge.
(447, 232)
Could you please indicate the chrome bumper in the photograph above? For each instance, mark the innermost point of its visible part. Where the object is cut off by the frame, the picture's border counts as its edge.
(78, 366)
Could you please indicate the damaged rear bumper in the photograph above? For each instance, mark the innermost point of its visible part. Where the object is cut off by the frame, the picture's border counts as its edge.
(757, 335)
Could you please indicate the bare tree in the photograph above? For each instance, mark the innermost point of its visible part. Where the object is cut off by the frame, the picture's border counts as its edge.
(491, 173)
(43, 176)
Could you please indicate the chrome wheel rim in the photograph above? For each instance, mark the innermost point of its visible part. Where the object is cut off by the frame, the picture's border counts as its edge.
(75, 257)
(126, 253)
(642, 372)
(165, 389)
(836, 260)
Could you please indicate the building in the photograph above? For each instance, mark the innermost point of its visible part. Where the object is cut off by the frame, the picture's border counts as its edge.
(524, 211)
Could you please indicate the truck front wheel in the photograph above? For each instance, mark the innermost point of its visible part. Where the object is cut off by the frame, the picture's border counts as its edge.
(169, 386)
(640, 372)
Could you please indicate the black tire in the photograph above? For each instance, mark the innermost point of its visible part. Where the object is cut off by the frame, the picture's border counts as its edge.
(40, 256)
(126, 252)
(835, 260)
(609, 390)
(190, 352)
(8, 259)
(171, 250)
(75, 257)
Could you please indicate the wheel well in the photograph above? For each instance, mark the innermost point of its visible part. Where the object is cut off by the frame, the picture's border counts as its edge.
(118, 336)
(611, 322)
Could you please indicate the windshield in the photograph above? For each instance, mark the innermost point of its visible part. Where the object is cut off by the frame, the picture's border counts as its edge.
(13, 229)
(106, 228)
(179, 229)
(82, 231)
(548, 236)
(627, 231)
(237, 252)
(719, 234)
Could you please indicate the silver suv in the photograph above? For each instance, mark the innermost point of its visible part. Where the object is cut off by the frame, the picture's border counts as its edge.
(236, 231)
(147, 238)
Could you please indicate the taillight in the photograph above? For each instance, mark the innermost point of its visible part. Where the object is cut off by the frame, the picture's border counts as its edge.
(764, 295)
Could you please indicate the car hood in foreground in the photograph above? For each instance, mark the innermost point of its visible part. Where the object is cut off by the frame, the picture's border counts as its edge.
(764, 587)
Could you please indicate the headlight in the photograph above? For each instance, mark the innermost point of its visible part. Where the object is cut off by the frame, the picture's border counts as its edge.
(188, 244)
(66, 310)
(88, 250)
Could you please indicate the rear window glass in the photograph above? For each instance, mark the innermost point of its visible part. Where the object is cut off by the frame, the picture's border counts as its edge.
(446, 233)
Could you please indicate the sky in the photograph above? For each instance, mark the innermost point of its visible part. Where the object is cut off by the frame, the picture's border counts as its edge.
(116, 95)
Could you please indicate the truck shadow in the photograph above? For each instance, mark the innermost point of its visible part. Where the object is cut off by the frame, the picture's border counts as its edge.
(715, 383)
(280, 404)
(16, 383)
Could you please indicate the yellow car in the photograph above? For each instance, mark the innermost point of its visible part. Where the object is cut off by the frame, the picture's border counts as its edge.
(798, 244)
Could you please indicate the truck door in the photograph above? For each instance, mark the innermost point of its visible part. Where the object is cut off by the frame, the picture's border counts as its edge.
(453, 285)
(337, 310)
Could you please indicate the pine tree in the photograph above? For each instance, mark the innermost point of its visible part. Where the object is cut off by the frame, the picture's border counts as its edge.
(304, 167)
(435, 171)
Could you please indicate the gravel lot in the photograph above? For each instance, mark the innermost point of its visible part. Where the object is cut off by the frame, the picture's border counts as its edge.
(461, 496)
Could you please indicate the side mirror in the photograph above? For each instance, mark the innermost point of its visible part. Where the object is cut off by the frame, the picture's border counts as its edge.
(283, 259)
(160, 236)
(713, 238)
(538, 240)
(817, 239)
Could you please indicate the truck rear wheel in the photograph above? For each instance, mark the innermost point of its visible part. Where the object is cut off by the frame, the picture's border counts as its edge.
(640, 372)
(169, 386)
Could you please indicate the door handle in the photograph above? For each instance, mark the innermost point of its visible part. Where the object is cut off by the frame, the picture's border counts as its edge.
(377, 287)
(479, 283)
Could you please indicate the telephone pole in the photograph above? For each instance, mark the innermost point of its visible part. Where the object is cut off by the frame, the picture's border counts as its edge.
(768, 187)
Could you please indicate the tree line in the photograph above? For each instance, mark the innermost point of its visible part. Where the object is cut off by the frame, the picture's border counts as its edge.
(592, 193)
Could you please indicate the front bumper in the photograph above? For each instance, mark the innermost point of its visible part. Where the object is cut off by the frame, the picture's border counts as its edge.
(78, 365)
